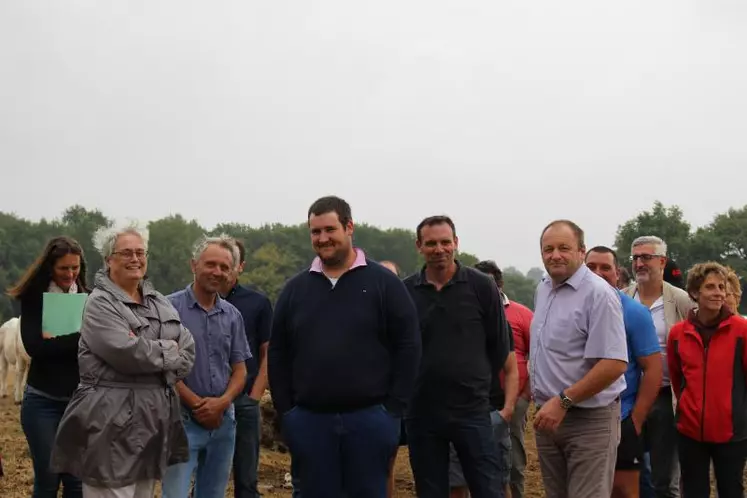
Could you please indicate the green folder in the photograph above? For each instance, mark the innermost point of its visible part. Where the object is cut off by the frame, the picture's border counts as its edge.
(62, 314)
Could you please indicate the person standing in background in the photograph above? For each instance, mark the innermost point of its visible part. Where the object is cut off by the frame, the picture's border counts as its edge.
(519, 317)
(256, 311)
(53, 374)
(668, 305)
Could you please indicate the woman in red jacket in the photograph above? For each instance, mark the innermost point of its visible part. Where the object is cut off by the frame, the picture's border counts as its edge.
(707, 355)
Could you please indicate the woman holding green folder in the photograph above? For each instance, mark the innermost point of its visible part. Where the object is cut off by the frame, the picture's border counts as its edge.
(53, 375)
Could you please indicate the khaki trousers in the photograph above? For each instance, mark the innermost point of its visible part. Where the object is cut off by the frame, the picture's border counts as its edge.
(141, 489)
(578, 460)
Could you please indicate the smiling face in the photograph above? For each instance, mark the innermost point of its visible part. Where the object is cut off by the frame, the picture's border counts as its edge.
(65, 271)
(128, 261)
(332, 241)
(213, 268)
(438, 245)
(648, 264)
(561, 252)
(712, 293)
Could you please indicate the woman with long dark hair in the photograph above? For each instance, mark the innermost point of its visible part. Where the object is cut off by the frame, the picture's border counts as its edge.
(53, 375)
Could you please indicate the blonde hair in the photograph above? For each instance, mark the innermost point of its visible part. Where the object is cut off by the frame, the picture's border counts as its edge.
(732, 280)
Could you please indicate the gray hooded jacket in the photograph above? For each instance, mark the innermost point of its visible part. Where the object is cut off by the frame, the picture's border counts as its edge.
(123, 423)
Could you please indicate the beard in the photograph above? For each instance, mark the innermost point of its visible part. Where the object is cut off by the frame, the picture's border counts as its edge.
(643, 277)
(337, 258)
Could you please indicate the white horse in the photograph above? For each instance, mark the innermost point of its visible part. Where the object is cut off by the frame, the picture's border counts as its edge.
(13, 354)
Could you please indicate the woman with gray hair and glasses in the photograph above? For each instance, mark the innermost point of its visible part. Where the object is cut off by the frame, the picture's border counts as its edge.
(123, 426)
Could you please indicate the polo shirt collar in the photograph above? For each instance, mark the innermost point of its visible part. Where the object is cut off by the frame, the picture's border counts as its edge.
(360, 260)
(459, 276)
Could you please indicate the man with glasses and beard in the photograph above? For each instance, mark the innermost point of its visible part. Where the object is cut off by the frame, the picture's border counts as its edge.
(344, 353)
(668, 305)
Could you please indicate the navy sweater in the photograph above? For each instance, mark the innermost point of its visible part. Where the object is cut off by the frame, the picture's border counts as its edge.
(342, 348)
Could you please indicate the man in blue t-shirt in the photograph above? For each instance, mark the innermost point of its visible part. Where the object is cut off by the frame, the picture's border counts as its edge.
(643, 376)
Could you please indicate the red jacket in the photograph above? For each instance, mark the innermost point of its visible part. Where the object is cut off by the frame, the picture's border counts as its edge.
(710, 383)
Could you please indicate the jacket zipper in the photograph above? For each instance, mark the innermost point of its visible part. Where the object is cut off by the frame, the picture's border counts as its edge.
(702, 411)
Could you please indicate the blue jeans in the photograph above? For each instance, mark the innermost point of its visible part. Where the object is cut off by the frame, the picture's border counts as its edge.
(246, 454)
(646, 488)
(342, 453)
(210, 457)
(472, 437)
(40, 417)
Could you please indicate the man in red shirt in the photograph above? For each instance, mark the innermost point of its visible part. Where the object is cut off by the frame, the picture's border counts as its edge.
(519, 317)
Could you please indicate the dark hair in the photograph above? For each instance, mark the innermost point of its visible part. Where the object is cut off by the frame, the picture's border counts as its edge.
(489, 267)
(39, 274)
(574, 228)
(331, 204)
(435, 220)
(242, 250)
(673, 274)
(397, 270)
(625, 277)
(604, 250)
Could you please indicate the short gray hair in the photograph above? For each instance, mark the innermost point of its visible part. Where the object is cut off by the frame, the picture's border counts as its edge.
(660, 247)
(222, 240)
(105, 238)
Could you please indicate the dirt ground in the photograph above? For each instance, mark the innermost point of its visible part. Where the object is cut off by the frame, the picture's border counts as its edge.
(18, 480)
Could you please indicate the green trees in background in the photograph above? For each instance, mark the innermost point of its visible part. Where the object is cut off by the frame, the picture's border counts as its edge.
(275, 252)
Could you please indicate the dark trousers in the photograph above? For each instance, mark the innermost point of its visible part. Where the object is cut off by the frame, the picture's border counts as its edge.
(473, 441)
(246, 452)
(728, 466)
(40, 417)
(342, 454)
(660, 437)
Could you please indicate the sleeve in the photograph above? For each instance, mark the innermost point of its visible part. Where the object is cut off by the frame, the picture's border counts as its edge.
(264, 322)
(186, 353)
(279, 368)
(643, 339)
(239, 344)
(606, 328)
(107, 335)
(673, 360)
(498, 335)
(403, 331)
(36, 346)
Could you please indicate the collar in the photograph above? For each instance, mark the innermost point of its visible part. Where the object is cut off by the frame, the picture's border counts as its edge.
(459, 276)
(192, 300)
(574, 281)
(504, 299)
(360, 260)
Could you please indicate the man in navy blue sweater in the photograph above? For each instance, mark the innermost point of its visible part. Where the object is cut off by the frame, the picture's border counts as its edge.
(344, 353)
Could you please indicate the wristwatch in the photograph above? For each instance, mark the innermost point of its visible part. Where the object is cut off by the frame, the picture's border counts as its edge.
(565, 401)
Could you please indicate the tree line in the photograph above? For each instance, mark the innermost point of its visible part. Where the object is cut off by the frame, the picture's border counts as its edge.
(275, 252)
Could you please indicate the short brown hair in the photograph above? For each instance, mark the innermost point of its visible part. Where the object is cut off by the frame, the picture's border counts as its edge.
(574, 228)
(434, 220)
(698, 274)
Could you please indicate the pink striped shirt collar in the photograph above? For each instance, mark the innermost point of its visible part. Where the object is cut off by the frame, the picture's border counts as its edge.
(360, 260)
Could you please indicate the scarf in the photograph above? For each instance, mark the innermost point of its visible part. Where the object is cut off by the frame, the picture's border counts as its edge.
(53, 287)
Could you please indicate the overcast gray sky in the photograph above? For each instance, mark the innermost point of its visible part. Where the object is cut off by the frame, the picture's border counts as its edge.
(504, 115)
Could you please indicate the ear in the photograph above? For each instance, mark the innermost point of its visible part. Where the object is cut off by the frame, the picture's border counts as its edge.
(349, 227)
(241, 267)
(456, 242)
(193, 265)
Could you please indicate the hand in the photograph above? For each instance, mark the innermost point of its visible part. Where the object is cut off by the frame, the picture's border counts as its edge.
(255, 397)
(132, 334)
(550, 416)
(637, 424)
(507, 413)
(47, 335)
(209, 412)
